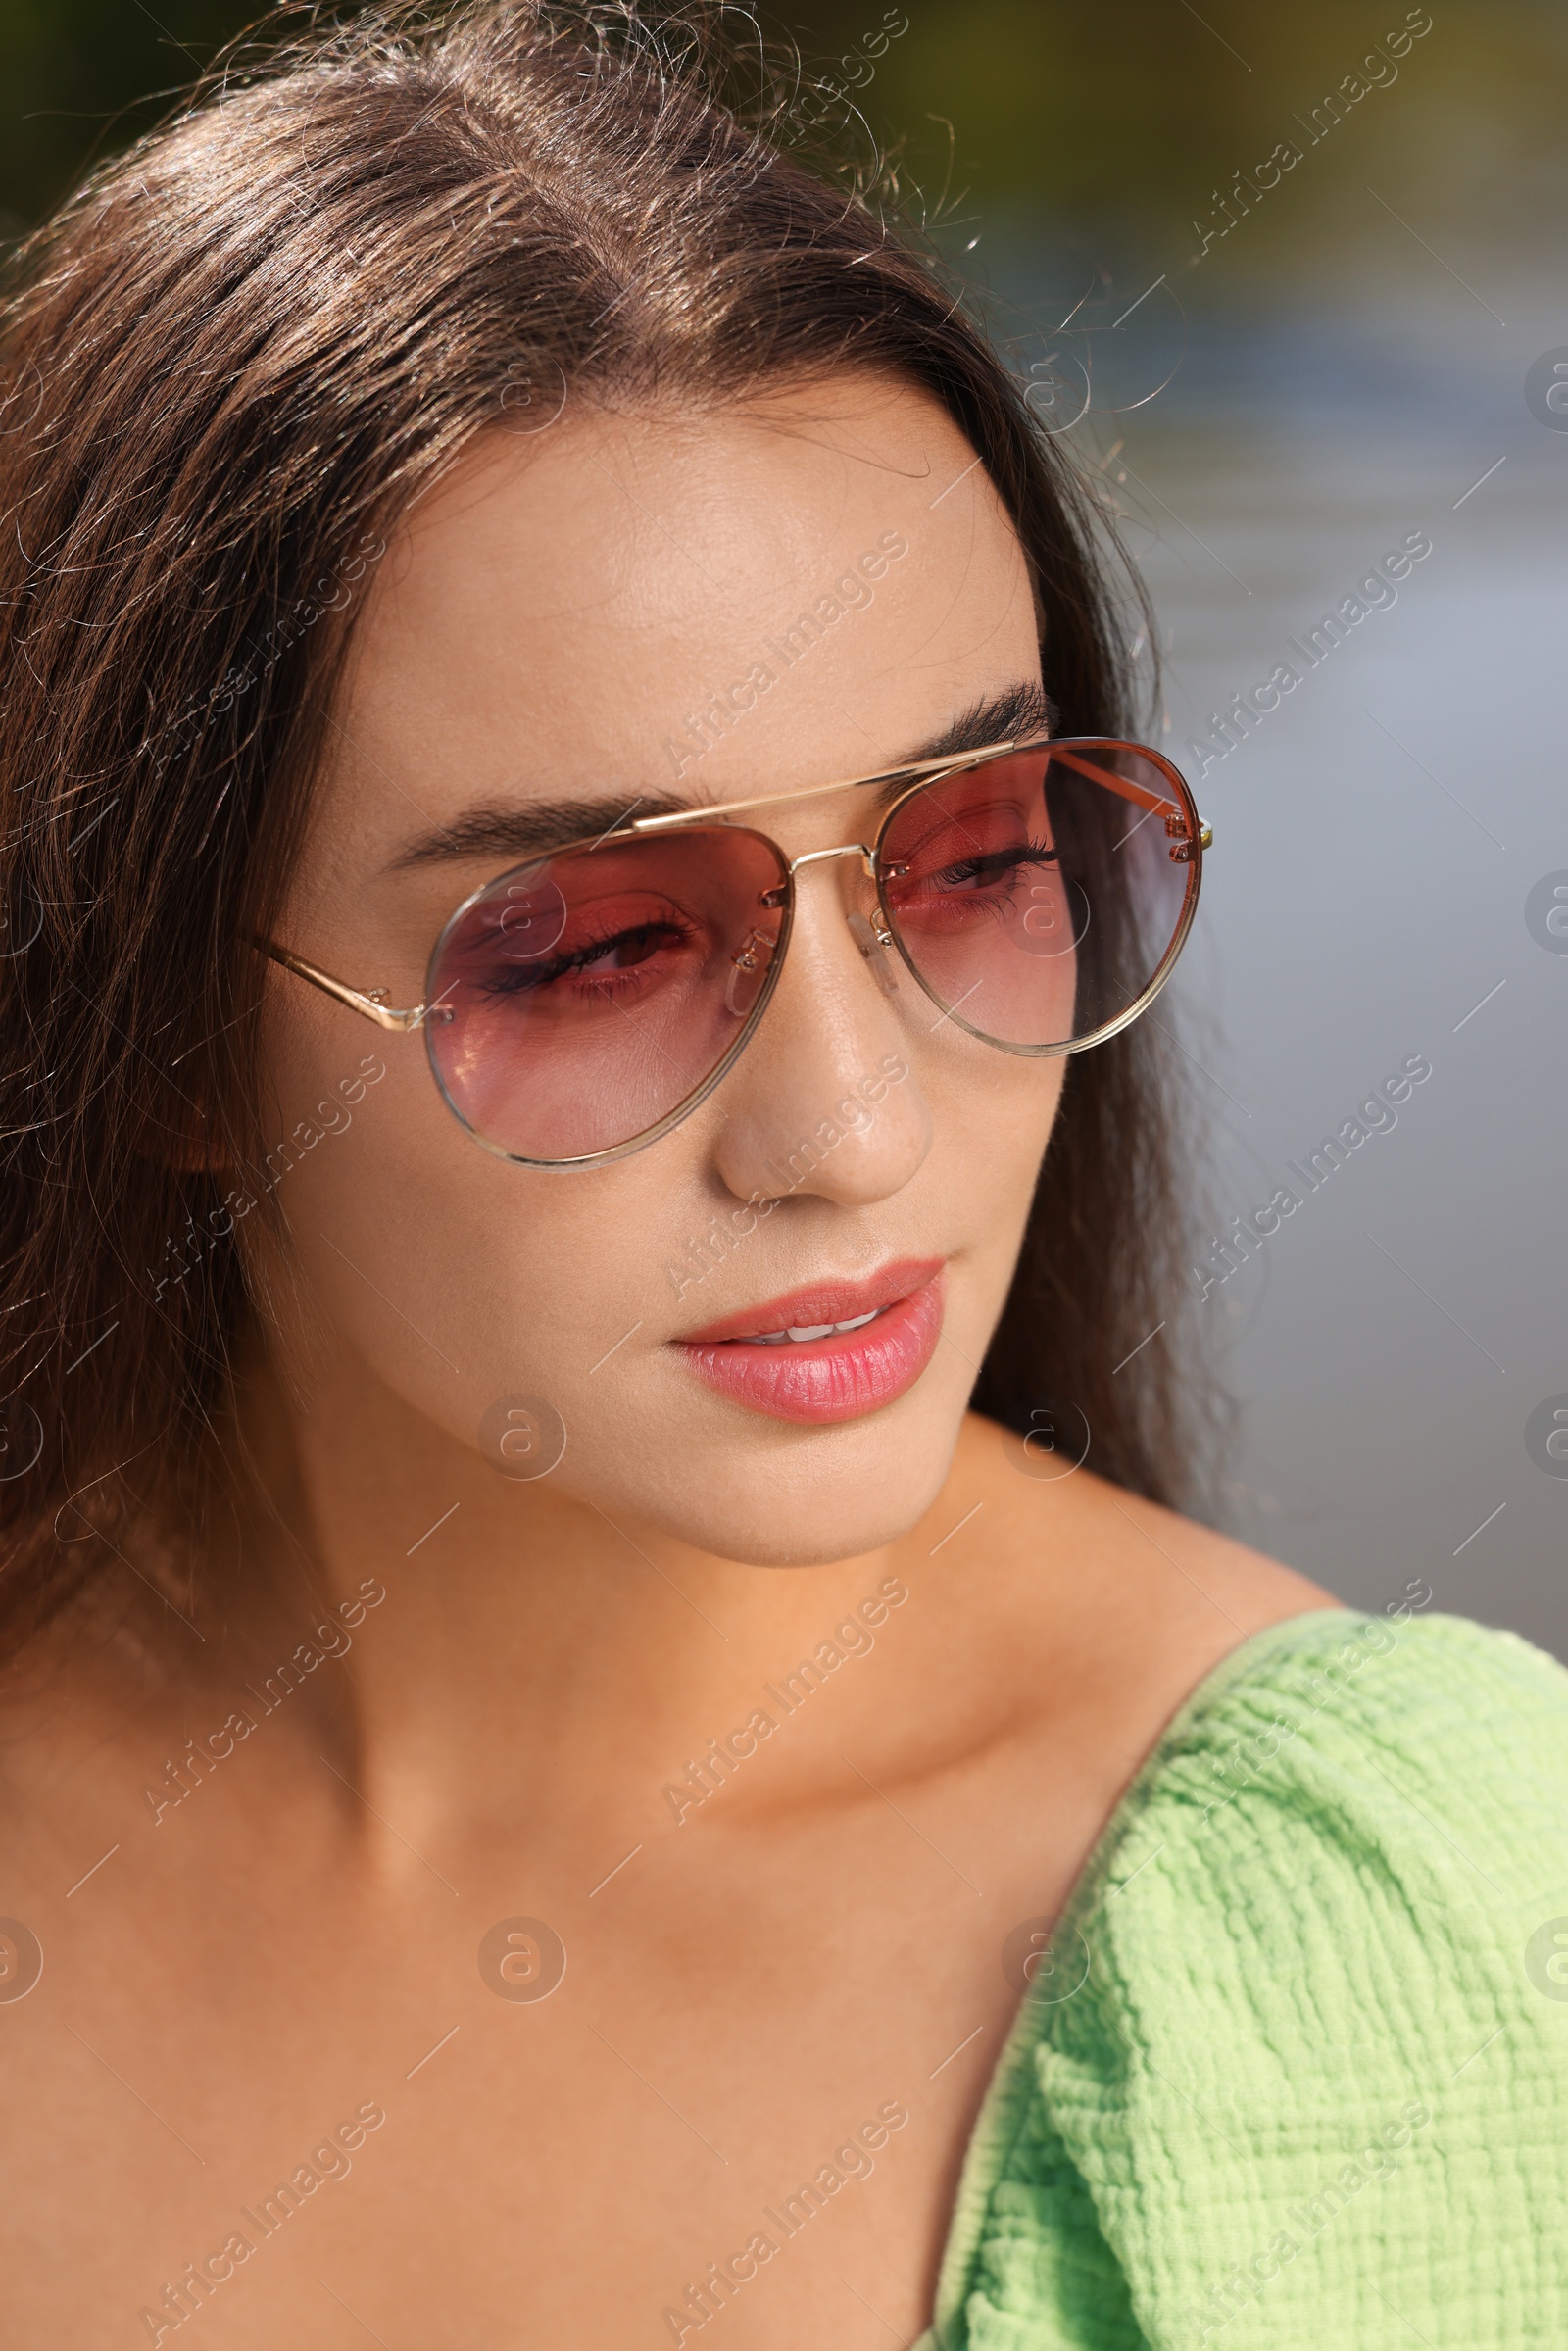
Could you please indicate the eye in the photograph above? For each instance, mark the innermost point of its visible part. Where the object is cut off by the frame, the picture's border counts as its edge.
(973, 872)
(995, 864)
(625, 950)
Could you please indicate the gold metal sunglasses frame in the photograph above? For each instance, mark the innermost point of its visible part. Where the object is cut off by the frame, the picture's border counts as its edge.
(1189, 837)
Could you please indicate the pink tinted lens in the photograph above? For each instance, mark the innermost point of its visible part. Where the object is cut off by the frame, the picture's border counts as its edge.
(582, 1000)
(1037, 896)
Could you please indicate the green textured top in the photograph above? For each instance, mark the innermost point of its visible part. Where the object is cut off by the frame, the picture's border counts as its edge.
(1293, 2072)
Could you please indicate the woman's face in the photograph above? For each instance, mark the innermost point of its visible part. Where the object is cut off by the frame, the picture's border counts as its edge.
(544, 629)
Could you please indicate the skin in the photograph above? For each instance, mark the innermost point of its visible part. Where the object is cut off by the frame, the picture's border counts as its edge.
(749, 1984)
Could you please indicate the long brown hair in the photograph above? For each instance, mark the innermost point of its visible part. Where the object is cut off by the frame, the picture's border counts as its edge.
(227, 364)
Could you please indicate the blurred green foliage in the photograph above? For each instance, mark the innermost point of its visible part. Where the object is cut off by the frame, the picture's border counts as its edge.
(1099, 113)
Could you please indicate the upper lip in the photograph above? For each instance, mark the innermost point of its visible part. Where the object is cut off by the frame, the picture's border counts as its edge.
(824, 1302)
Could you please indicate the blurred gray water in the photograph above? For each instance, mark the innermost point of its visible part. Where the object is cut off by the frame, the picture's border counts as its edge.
(1377, 836)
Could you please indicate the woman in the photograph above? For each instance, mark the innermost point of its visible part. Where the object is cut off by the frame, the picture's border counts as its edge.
(603, 1681)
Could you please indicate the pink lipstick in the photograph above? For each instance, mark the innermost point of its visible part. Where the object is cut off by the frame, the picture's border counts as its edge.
(831, 1352)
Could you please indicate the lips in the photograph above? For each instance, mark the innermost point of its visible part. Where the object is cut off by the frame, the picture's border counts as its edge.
(832, 1353)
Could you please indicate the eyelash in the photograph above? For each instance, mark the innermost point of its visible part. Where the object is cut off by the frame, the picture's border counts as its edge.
(1001, 862)
(520, 982)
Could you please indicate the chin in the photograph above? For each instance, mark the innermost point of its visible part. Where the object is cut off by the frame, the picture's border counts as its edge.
(779, 1495)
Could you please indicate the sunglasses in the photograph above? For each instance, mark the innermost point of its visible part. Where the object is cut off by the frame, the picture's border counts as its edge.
(1035, 893)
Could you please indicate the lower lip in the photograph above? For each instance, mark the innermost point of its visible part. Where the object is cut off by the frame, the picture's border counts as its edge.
(833, 1379)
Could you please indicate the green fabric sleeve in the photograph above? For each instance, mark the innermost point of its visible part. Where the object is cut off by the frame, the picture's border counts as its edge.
(1298, 2079)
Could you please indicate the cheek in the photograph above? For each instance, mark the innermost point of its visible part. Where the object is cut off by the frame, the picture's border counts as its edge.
(463, 1282)
(520, 1312)
(365, 1209)
(993, 1123)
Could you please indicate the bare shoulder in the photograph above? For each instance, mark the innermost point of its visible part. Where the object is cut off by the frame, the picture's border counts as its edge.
(1182, 1568)
(1101, 1609)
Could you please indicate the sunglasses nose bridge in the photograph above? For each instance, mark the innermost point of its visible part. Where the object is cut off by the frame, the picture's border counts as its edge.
(872, 935)
(846, 849)
(862, 850)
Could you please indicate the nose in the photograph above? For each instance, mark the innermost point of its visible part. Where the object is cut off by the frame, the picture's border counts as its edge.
(824, 1101)
(869, 931)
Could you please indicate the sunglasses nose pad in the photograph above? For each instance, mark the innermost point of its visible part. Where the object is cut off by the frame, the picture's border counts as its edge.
(873, 944)
(747, 965)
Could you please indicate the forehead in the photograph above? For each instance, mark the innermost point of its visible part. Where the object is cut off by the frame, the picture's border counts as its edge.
(695, 604)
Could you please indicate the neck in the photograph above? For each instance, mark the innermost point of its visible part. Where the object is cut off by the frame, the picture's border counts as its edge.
(473, 1637)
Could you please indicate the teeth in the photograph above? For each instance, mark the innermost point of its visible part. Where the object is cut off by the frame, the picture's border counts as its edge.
(810, 1330)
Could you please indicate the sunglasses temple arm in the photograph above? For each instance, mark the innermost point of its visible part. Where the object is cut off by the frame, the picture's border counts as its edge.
(1148, 800)
(385, 1016)
(1139, 792)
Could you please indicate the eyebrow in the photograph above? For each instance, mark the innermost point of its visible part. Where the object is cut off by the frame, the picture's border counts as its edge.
(514, 831)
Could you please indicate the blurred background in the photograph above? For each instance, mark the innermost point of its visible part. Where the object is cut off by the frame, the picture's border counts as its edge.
(1294, 285)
